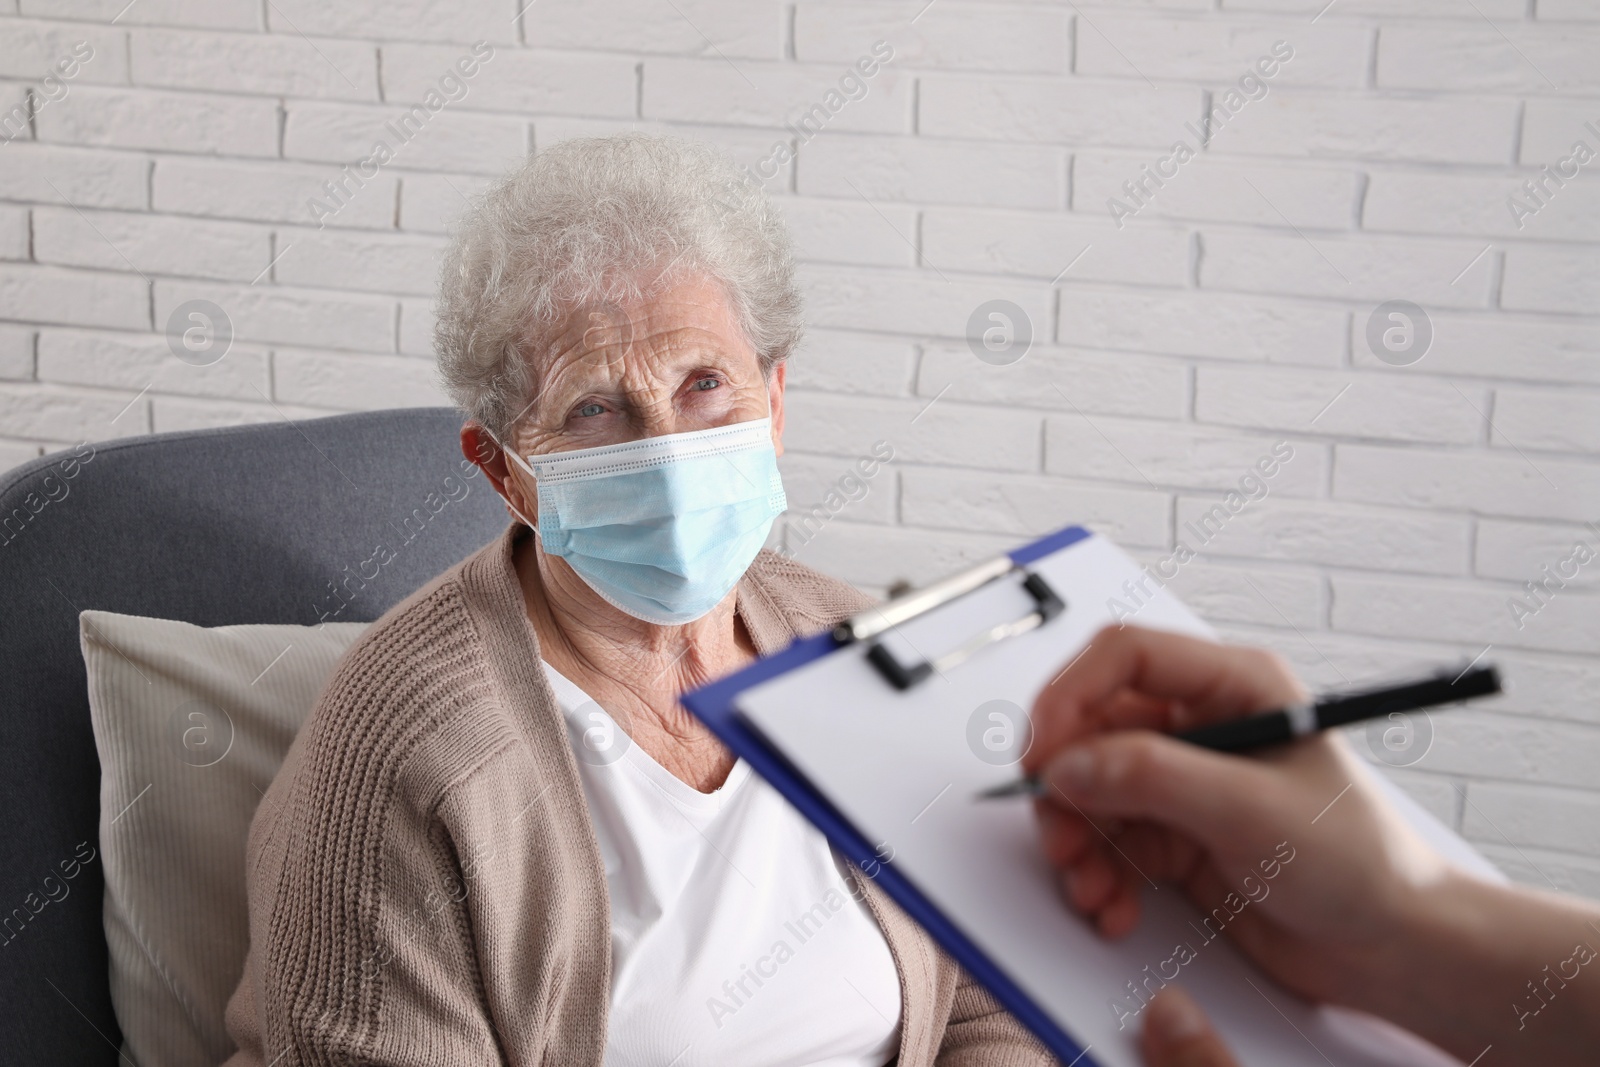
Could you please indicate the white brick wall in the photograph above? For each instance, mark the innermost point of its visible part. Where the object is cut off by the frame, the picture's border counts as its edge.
(1170, 352)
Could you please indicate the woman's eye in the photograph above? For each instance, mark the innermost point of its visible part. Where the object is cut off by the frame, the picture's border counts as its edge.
(705, 384)
(590, 410)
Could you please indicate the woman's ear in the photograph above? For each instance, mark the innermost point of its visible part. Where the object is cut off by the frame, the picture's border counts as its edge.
(481, 449)
(775, 386)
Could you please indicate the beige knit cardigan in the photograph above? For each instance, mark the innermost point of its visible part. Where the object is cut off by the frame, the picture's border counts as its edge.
(425, 885)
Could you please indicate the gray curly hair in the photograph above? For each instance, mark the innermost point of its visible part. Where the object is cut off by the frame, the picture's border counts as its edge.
(596, 220)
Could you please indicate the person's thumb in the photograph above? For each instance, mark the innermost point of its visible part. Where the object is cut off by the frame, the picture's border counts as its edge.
(1177, 1034)
(1139, 774)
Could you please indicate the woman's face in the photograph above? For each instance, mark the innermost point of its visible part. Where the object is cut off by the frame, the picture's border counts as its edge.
(675, 363)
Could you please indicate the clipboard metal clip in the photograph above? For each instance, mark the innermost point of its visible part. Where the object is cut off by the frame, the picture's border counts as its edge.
(875, 621)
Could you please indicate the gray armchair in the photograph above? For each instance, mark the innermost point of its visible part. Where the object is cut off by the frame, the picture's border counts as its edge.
(253, 524)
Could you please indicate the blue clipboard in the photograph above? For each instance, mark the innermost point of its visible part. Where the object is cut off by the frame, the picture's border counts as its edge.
(714, 705)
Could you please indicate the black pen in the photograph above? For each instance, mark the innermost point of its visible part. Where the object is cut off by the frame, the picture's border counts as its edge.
(1301, 720)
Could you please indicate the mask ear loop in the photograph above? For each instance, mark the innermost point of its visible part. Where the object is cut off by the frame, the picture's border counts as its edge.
(524, 465)
(766, 388)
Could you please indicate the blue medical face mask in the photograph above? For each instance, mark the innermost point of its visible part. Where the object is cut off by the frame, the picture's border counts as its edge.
(662, 528)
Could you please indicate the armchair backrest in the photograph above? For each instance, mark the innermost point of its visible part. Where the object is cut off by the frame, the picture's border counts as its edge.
(292, 522)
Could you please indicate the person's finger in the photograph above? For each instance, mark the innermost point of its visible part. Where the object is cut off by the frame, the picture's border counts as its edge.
(1100, 888)
(1091, 882)
(1063, 834)
(1177, 1034)
(1159, 853)
(1121, 913)
(1139, 858)
(1130, 709)
(1195, 680)
(1104, 886)
(1142, 775)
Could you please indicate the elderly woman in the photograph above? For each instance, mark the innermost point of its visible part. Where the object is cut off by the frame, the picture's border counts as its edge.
(499, 839)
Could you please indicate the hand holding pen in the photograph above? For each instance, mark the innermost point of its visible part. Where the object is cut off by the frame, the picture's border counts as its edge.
(1291, 853)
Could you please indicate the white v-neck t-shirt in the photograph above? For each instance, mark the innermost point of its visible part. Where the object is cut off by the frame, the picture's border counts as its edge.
(734, 934)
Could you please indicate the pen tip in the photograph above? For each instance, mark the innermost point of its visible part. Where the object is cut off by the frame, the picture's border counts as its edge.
(1020, 787)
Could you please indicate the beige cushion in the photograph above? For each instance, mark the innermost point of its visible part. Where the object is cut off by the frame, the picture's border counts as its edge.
(192, 724)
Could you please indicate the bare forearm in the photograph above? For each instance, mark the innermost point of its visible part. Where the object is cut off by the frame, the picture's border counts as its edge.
(1496, 975)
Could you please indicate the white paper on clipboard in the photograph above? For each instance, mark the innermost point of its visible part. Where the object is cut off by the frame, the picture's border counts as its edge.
(898, 765)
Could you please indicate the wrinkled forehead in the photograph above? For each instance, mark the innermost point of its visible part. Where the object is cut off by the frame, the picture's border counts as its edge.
(630, 342)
